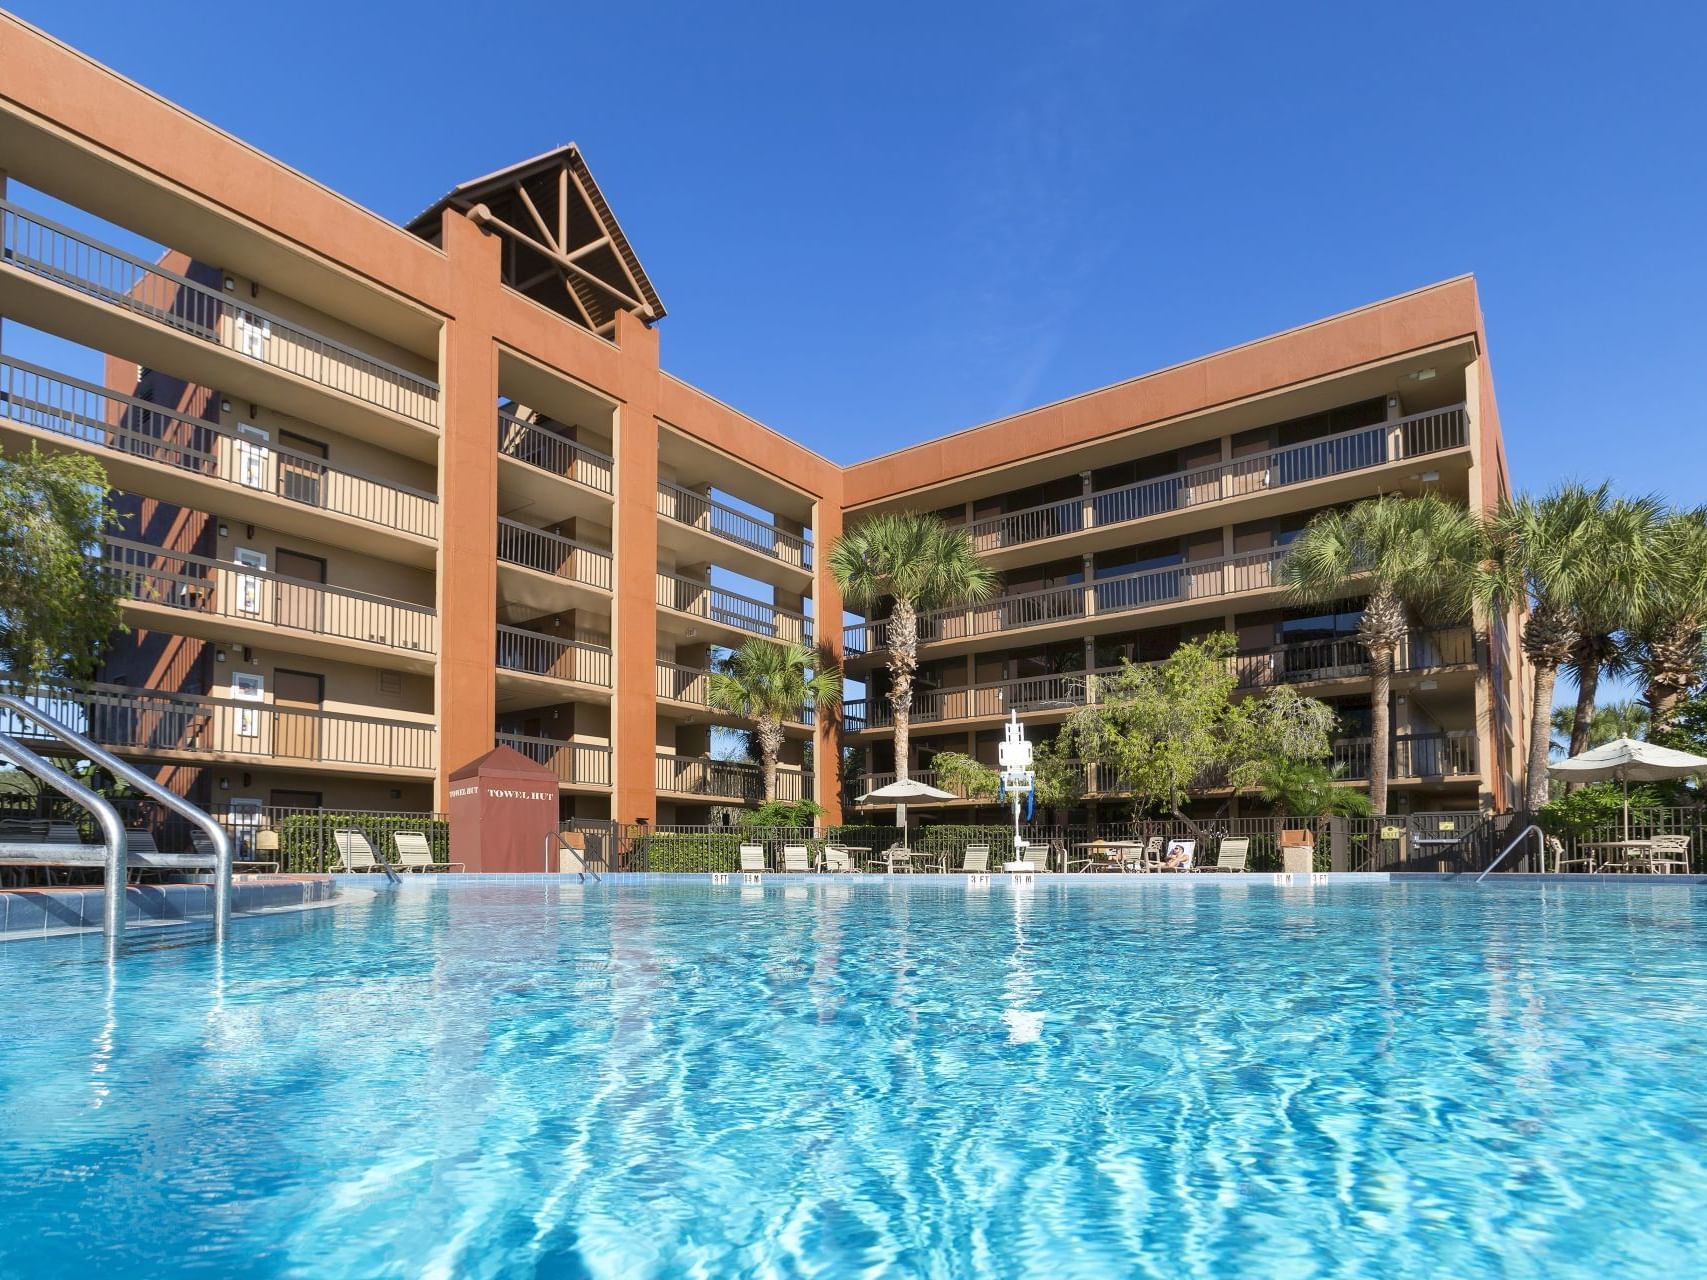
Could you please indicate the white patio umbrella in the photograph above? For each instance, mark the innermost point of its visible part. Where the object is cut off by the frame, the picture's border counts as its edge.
(1629, 761)
(904, 792)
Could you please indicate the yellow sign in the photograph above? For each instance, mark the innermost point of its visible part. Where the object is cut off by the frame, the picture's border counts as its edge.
(1449, 826)
(1390, 833)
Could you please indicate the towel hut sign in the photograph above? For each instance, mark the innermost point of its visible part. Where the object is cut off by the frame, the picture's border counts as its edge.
(502, 807)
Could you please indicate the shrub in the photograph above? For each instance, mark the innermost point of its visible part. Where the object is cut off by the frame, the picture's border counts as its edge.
(1598, 805)
(690, 851)
(307, 842)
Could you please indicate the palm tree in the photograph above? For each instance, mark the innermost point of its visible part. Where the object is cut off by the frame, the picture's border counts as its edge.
(1611, 720)
(771, 683)
(1415, 555)
(1628, 531)
(1666, 647)
(1556, 555)
(919, 563)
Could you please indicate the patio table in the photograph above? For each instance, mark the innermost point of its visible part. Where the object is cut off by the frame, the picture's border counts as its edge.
(1128, 855)
(1622, 854)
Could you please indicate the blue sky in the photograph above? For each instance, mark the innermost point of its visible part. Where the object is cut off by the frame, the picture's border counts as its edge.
(875, 223)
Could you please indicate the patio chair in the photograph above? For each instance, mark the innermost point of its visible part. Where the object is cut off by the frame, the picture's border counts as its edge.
(752, 859)
(1151, 857)
(355, 854)
(1231, 856)
(836, 858)
(1579, 861)
(796, 860)
(1669, 854)
(976, 857)
(415, 854)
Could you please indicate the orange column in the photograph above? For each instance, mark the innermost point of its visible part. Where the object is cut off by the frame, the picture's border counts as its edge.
(634, 626)
(827, 632)
(468, 503)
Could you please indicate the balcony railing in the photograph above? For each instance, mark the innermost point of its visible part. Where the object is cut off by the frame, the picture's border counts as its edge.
(127, 719)
(1345, 657)
(1195, 580)
(39, 247)
(544, 448)
(39, 398)
(552, 553)
(1282, 664)
(702, 600)
(534, 654)
(582, 764)
(218, 588)
(1418, 755)
(1423, 433)
(692, 686)
(698, 511)
(727, 780)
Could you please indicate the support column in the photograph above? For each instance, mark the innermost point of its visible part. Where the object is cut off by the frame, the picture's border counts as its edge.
(827, 636)
(634, 612)
(468, 506)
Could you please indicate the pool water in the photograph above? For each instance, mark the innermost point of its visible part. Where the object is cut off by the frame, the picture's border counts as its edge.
(1152, 1078)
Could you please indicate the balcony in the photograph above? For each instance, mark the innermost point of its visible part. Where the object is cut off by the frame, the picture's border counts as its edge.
(68, 283)
(730, 612)
(196, 730)
(215, 599)
(726, 781)
(152, 450)
(1420, 755)
(691, 687)
(546, 450)
(1300, 663)
(553, 554)
(530, 653)
(764, 546)
(1079, 602)
(1406, 438)
(577, 764)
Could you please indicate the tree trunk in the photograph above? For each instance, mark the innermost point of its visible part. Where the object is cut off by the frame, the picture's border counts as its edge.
(1588, 685)
(1540, 736)
(903, 663)
(1674, 660)
(769, 735)
(1380, 725)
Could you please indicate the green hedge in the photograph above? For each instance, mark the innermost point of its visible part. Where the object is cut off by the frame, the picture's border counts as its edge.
(676, 851)
(307, 843)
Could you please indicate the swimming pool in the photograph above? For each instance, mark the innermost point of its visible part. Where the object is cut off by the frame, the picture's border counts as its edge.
(1151, 1077)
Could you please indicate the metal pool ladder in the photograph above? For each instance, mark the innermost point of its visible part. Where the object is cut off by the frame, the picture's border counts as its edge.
(1519, 839)
(113, 852)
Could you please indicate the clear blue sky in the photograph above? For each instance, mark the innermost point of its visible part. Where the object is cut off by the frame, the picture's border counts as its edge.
(874, 223)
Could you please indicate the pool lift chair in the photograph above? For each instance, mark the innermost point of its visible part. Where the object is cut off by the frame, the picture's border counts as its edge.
(115, 853)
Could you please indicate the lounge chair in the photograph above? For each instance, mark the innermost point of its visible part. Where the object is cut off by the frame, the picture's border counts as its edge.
(752, 858)
(1669, 854)
(796, 860)
(415, 854)
(836, 858)
(975, 858)
(355, 853)
(1231, 856)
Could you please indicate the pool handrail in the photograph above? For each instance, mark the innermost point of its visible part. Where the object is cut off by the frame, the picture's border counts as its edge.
(113, 907)
(1519, 839)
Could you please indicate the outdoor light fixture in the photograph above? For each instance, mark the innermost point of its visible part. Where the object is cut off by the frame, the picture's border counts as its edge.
(1422, 375)
(219, 655)
(225, 784)
(230, 284)
(225, 406)
(224, 531)
(1430, 477)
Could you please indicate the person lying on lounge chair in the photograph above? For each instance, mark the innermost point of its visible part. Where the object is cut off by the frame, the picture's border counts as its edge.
(1179, 855)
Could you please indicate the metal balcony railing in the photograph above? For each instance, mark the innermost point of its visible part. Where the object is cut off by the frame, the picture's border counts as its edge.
(169, 725)
(1345, 656)
(1196, 580)
(1423, 433)
(702, 600)
(218, 588)
(544, 448)
(534, 654)
(39, 398)
(552, 553)
(727, 780)
(698, 511)
(582, 764)
(1419, 755)
(45, 249)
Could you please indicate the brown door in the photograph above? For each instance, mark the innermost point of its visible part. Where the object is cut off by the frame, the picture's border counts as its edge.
(297, 695)
(1202, 481)
(300, 478)
(299, 606)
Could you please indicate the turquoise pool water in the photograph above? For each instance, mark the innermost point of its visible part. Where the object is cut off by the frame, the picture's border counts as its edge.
(1156, 1078)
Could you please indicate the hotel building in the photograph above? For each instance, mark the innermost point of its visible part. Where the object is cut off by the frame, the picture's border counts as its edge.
(392, 495)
